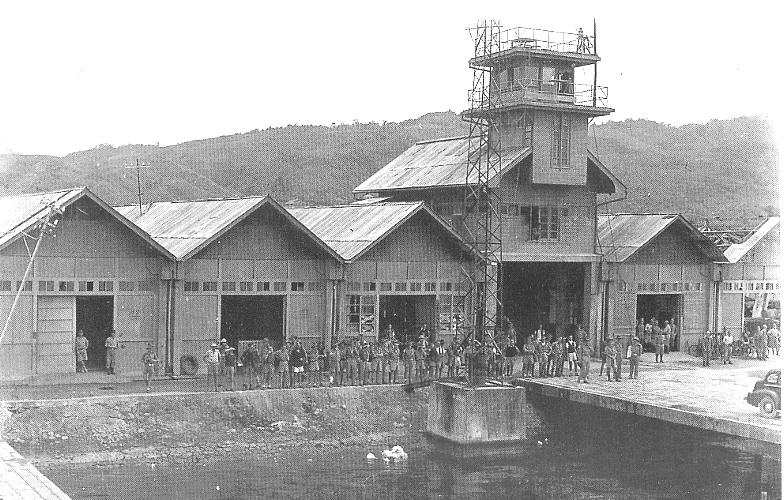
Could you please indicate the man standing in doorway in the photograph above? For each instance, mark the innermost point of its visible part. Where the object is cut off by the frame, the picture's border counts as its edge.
(571, 354)
(667, 331)
(706, 346)
(250, 360)
(585, 353)
(82, 344)
(211, 360)
(610, 352)
(658, 343)
(111, 345)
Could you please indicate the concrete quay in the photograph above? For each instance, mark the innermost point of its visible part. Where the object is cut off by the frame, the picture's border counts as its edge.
(19, 479)
(709, 398)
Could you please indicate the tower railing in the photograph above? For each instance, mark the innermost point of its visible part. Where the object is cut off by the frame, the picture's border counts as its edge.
(557, 41)
(555, 90)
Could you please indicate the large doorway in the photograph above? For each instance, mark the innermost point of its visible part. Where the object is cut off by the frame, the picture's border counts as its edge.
(95, 317)
(406, 314)
(252, 317)
(543, 293)
(663, 307)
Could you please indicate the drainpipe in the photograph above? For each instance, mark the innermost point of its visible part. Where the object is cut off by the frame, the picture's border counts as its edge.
(606, 298)
(170, 288)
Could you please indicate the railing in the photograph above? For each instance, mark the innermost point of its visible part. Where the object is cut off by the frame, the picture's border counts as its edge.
(559, 41)
(558, 91)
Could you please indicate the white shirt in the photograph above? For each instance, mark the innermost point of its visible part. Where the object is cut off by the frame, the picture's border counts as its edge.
(727, 339)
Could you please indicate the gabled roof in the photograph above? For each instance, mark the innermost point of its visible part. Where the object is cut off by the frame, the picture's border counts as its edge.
(622, 235)
(187, 227)
(352, 230)
(439, 163)
(737, 251)
(618, 186)
(21, 214)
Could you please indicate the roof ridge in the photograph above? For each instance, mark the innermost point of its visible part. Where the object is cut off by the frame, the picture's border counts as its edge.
(39, 193)
(199, 200)
(353, 205)
(443, 139)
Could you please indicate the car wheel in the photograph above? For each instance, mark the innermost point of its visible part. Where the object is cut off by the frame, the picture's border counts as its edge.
(767, 406)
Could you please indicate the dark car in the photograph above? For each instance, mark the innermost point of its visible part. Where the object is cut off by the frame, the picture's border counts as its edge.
(767, 394)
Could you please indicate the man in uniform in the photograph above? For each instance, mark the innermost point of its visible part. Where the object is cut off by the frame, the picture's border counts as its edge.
(667, 331)
(352, 358)
(82, 344)
(333, 363)
(420, 361)
(250, 361)
(706, 346)
(528, 358)
(408, 362)
(377, 363)
(282, 357)
(510, 353)
(584, 358)
(267, 362)
(635, 351)
(558, 353)
(211, 361)
(149, 360)
(544, 355)
(658, 344)
(440, 358)
(364, 363)
(392, 360)
(230, 364)
(571, 354)
(610, 352)
(620, 353)
(111, 345)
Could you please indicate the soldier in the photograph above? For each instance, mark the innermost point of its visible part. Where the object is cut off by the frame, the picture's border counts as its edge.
(640, 328)
(705, 347)
(111, 345)
(230, 363)
(584, 358)
(353, 361)
(314, 370)
(221, 365)
(528, 358)
(333, 364)
(648, 338)
(658, 344)
(761, 343)
(420, 361)
(282, 357)
(408, 362)
(558, 349)
(377, 362)
(544, 355)
(620, 353)
(266, 362)
(149, 360)
(774, 339)
(667, 332)
(610, 352)
(211, 361)
(440, 358)
(364, 363)
(82, 344)
(393, 360)
(250, 360)
(635, 351)
(510, 353)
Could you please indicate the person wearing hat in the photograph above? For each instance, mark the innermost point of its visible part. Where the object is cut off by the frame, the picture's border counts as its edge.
(221, 365)
(364, 363)
(610, 353)
(584, 359)
(282, 357)
(82, 344)
(149, 360)
(111, 345)
(267, 362)
(211, 360)
(409, 356)
(251, 361)
(333, 363)
(635, 351)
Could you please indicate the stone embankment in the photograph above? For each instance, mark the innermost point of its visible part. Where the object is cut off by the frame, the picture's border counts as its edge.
(179, 428)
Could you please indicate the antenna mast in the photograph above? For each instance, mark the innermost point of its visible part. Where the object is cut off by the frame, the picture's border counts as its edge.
(139, 165)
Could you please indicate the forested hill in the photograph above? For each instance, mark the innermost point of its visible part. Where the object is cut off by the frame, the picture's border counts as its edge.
(725, 168)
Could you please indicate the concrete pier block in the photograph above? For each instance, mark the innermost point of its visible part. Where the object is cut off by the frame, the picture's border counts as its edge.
(481, 415)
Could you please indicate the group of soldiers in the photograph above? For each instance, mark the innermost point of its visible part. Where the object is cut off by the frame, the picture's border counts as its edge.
(549, 357)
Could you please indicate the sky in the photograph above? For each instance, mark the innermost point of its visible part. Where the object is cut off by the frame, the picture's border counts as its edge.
(74, 74)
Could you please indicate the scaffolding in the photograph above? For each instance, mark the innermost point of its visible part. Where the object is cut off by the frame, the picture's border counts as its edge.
(481, 199)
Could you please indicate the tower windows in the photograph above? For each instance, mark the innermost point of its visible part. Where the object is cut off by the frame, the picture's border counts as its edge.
(526, 124)
(562, 132)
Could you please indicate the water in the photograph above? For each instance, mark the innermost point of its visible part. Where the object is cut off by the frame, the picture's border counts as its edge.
(618, 458)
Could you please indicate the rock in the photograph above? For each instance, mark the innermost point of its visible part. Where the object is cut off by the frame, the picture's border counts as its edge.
(370, 456)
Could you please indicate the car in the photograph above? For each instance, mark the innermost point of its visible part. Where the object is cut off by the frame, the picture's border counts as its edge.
(767, 394)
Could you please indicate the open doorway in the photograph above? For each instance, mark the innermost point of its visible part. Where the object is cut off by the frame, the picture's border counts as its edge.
(406, 314)
(543, 293)
(252, 317)
(663, 307)
(95, 317)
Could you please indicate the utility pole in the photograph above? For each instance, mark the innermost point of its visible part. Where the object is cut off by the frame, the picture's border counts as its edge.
(47, 223)
(139, 165)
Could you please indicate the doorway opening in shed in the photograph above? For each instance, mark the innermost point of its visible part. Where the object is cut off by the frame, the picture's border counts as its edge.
(406, 314)
(543, 293)
(95, 317)
(252, 317)
(663, 307)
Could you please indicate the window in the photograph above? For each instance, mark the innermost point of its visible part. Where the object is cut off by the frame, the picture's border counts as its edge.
(510, 76)
(65, 286)
(416, 287)
(229, 286)
(562, 132)
(369, 286)
(246, 286)
(531, 76)
(386, 287)
(297, 286)
(400, 286)
(28, 286)
(446, 314)
(315, 286)
(510, 209)
(210, 286)
(46, 286)
(526, 124)
(5, 286)
(430, 287)
(354, 286)
(663, 287)
(697, 287)
(279, 286)
(445, 286)
(105, 286)
(544, 223)
(687, 287)
(146, 286)
(86, 286)
(128, 286)
(263, 286)
(361, 311)
(640, 287)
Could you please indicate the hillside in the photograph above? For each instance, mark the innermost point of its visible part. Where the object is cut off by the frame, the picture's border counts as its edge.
(724, 168)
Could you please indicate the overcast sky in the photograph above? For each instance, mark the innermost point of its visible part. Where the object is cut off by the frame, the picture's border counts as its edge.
(78, 74)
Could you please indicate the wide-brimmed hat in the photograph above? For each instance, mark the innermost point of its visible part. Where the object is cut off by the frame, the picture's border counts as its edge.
(223, 341)
(214, 345)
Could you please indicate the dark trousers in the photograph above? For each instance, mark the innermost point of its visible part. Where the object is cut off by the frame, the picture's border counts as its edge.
(659, 354)
(634, 365)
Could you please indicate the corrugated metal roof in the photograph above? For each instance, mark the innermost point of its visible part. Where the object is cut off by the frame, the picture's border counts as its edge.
(737, 251)
(621, 235)
(352, 230)
(21, 213)
(436, 163)
(186, 227)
